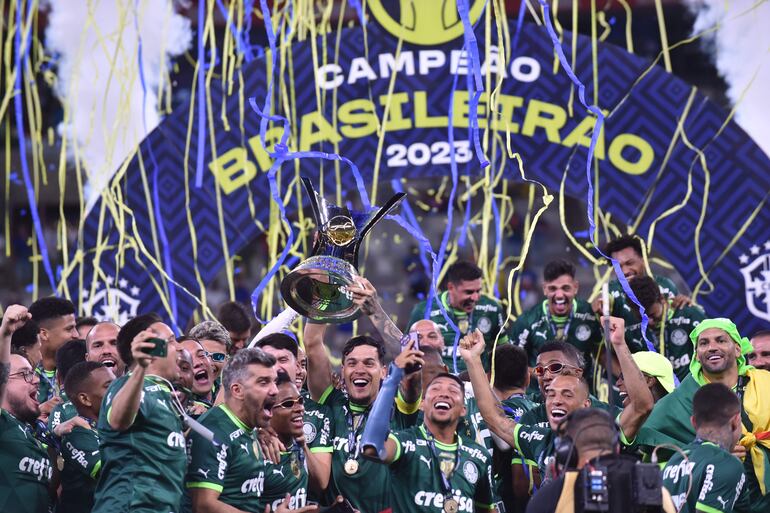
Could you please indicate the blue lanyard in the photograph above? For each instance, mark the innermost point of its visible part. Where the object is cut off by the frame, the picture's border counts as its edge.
(446, 485)
(352, 432)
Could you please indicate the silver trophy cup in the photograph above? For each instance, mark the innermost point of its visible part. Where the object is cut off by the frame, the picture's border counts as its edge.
(315, 288)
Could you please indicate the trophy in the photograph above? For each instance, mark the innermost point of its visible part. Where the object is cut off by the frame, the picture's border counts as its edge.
(316, 287)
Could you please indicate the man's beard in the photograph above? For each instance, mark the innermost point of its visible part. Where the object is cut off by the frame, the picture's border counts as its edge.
(21, 410)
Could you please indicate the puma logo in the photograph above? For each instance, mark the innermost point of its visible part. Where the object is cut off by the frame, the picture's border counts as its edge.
(426, 461)
(722, 501)
(245, 448)
(204, 473)
(278, 471)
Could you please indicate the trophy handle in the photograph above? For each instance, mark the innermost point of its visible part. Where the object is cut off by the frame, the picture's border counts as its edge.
(313, 199)
(382, 212)
(313, 196)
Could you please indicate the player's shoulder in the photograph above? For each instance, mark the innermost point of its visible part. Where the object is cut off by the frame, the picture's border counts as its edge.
(334, 400)
(218, 421)
(470, 449)
(584, 307)
(666, 282)
(694, 312)
(531, 315)
(490, 301)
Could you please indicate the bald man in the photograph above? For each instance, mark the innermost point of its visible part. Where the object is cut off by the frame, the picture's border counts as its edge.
(428, 334)
(102, 347)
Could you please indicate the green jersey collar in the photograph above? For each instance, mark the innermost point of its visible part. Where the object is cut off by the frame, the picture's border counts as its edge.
(234, 418)
(455, 311)
(441, 445)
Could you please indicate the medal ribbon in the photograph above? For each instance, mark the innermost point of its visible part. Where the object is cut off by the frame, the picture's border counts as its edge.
(446, 485)
(353, 433)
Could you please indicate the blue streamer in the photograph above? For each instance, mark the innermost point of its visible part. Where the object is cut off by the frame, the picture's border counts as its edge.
(475, 86)
(498, 242)
(355, 4)
(519, 25)
(201, 95)
(589, 160)
(281, 154)
(21, 56)
(167, 267)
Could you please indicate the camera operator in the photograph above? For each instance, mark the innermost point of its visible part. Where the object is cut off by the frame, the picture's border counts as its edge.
(593, 475)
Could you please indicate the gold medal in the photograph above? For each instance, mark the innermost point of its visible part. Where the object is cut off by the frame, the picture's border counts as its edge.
(351, 467)
(451, 506)
(462, 325)
(60, 462)
(295, 468)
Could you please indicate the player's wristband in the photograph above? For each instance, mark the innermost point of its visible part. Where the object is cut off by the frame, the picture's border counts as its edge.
(378, 423)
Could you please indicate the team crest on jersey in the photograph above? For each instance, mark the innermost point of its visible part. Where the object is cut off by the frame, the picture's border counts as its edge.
(679, 337)
(111, 301)
(756, 277)
(309, 430)
(583, 332)
(484, 325)
(470, 472)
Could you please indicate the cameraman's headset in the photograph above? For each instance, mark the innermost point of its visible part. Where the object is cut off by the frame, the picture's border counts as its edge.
(565, 453)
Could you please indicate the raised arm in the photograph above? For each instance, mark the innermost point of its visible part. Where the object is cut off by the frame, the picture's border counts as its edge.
(319, 375)
(471, 348)
(365, 296)
(639, 395)
(14, 318)
(124, 407)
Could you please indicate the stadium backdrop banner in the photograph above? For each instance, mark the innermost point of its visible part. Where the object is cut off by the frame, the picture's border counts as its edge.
(641, 155)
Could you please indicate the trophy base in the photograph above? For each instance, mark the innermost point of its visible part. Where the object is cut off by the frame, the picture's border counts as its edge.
(313, 290)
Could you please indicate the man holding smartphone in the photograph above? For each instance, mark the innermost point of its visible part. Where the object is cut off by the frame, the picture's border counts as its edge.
(142, 444)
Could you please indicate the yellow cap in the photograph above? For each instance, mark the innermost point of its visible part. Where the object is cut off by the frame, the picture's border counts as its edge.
(656, 365)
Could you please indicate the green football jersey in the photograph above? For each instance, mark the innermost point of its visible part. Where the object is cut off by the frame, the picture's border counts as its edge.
(48, 386)
(416, 473)
(676, 337)
(287, 476)
(357, 487)
(534, 444)
(25, 469)
(537, 326)
(488, 316)
(236, 469)
(621, 305)
(713, 477)
(142, 467)
(62, 412)
(82, 463)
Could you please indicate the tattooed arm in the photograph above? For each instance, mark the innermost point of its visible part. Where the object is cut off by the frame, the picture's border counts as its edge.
(14, 318)
(365, 296)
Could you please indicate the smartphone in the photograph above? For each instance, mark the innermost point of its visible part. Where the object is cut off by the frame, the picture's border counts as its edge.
(413, 337)
(160, 348)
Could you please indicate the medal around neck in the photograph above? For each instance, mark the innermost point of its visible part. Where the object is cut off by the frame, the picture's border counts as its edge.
(351, 467)
(315, 288)
(451, 506)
